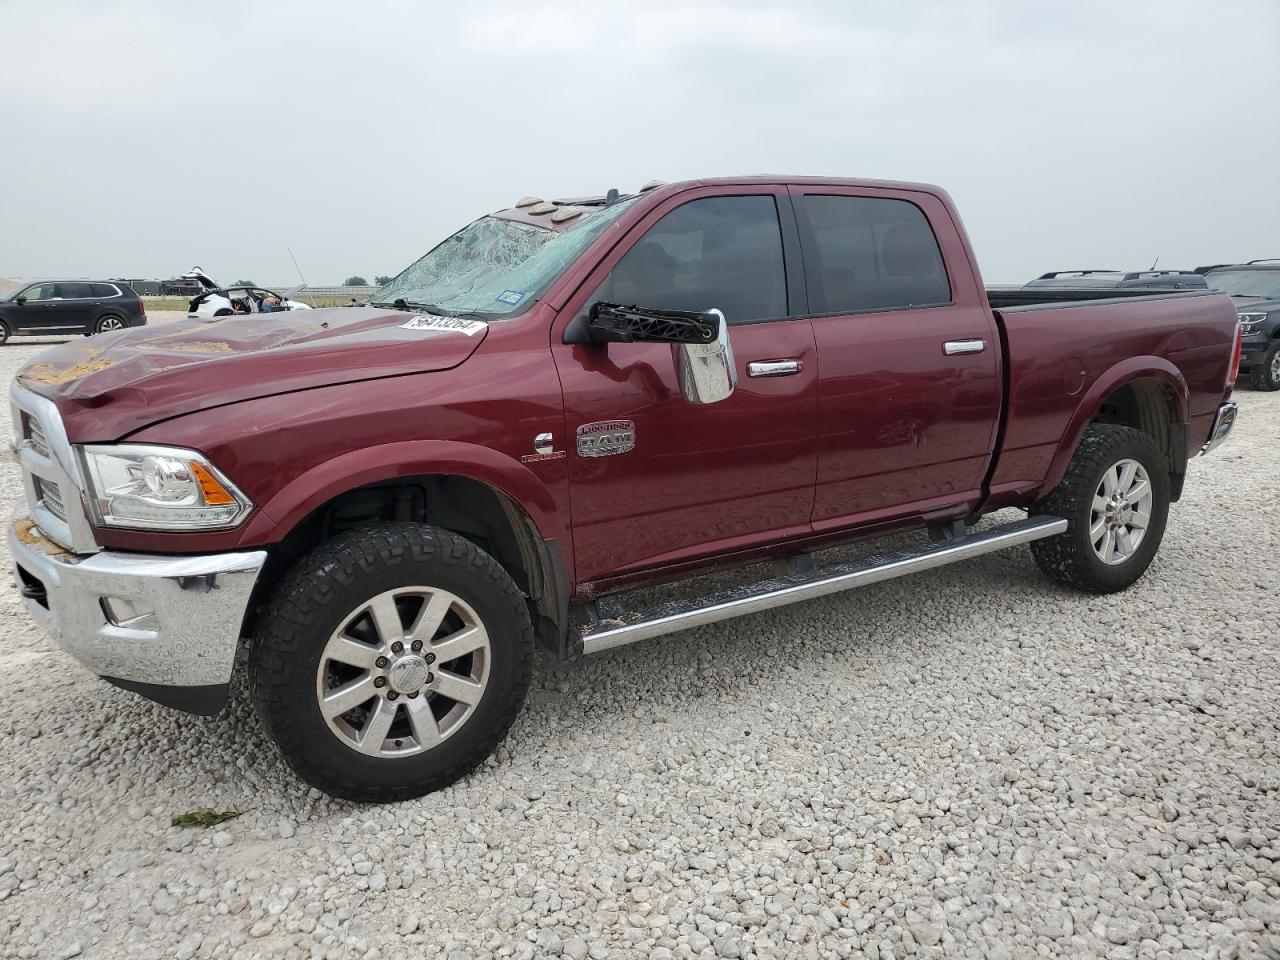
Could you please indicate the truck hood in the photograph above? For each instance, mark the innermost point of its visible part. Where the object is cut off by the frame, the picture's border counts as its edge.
(110, 385)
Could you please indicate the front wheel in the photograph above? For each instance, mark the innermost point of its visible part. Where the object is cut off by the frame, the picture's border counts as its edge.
(4, 333)
(391, 661)
(1266, 376)
(1115, 498)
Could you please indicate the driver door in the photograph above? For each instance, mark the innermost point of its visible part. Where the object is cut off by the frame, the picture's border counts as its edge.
(40, 309)
(699, 479)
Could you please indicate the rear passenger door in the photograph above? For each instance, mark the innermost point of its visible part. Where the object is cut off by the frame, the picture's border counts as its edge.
(909, 358)
(75, 312)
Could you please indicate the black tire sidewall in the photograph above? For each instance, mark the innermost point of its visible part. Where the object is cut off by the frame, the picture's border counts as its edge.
(1116, 576)
(1262, 378)
(4, 332)
(296, 718)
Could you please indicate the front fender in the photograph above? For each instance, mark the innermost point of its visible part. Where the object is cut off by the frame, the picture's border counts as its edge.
(1111, 380)
(304, 493)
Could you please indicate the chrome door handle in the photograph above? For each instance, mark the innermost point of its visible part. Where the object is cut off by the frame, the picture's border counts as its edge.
(954, 347)
(774, 368)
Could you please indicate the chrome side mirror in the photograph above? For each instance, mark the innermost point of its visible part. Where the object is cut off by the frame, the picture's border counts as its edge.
(706, 372)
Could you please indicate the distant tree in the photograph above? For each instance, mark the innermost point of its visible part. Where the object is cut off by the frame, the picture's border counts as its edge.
(244, 283)
(356, 281)
(383, 280)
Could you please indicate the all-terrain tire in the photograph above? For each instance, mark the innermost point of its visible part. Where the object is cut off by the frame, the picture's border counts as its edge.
(1072, 557)
(1266, 376)
(317, 597)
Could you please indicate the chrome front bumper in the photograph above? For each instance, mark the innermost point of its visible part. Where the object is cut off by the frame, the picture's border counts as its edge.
(165, 626)
(1223, 423)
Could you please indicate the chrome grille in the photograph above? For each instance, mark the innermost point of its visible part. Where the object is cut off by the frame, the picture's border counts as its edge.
(35, 433)
(49, 495)
(50, 472)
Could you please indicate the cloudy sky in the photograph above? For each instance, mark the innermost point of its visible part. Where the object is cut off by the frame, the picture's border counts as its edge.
(141, 138)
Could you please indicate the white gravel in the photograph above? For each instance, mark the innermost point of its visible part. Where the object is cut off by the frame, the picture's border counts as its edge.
(970, 763)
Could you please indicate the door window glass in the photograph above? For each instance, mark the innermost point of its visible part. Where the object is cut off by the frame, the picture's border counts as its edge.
(715, 253)
(41, 291)
(74, 291)
(871, 254)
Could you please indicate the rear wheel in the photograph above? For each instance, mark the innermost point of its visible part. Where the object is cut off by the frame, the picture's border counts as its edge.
(1115, 498)
(391, 661)
(1266, 376)
(109, 324)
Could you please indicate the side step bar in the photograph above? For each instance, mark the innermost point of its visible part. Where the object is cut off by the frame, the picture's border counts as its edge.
(752, 598)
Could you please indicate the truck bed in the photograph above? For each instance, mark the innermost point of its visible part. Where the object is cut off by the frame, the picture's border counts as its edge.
(1068, 349)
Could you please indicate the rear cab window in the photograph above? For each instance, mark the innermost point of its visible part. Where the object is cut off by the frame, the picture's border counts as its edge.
(865, 254)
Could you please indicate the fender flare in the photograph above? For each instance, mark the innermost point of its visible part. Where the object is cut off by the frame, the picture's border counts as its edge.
(1111, 380)
(390, 461)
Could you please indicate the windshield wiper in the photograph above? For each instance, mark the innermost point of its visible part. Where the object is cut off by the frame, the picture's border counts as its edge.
(434, 308)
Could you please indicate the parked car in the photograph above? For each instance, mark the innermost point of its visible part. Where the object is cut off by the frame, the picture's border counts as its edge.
(51, 307)
(1255, 288)
(1119, 279)
(562, 402)
(215, 301)
(226, 301)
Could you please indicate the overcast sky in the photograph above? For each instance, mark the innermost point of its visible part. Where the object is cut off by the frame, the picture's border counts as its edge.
(139, 139)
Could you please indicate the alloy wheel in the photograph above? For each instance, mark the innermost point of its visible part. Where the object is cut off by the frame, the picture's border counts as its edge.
(403, 672)
(1121, 511)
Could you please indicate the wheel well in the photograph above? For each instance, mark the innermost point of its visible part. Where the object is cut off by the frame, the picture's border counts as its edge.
(1150, 405)
(472, 509)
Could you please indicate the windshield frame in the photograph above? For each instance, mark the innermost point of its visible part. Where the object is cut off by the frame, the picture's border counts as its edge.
(594, 222)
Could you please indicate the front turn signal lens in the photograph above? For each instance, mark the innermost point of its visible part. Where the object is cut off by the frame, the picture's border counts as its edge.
(215, 494)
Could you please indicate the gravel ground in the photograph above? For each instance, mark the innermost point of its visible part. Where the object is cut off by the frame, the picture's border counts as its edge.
(971, 763)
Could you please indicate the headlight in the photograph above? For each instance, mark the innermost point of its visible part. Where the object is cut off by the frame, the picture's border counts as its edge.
(159, 488)
(1250, 322)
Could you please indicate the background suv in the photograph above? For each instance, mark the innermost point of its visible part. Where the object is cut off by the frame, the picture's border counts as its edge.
(52, 307)
(1255, 288)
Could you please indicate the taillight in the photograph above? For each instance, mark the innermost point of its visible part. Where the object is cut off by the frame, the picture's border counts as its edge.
(1234, 372)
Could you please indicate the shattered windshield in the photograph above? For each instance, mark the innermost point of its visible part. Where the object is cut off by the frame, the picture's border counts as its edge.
(494, 266)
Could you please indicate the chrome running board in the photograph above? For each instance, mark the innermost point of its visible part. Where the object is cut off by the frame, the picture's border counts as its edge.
(605, 634)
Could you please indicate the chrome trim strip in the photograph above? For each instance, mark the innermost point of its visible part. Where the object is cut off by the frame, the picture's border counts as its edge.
(1223, 423)
(860, 573)
(953, 348)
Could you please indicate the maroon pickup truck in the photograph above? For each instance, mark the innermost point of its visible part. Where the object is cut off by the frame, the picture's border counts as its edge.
(565, 401)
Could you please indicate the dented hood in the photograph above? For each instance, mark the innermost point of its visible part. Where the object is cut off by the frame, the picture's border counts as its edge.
(113, 384)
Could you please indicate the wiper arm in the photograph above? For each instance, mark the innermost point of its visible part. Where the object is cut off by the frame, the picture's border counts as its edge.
(434, 308)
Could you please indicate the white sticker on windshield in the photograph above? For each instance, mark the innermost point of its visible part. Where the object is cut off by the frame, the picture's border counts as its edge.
(430, 321)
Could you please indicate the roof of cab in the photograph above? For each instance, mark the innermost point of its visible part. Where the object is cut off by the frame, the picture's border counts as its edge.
(522, 212)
